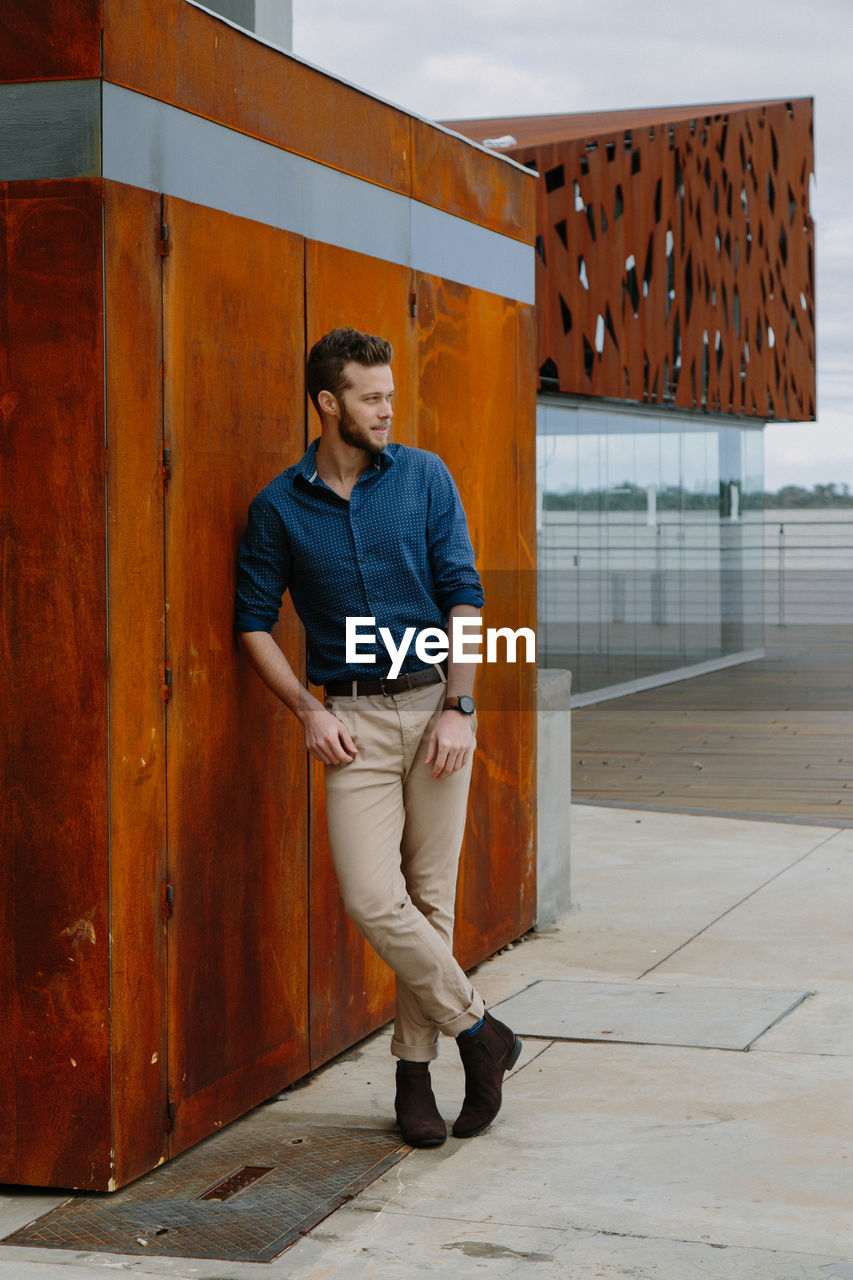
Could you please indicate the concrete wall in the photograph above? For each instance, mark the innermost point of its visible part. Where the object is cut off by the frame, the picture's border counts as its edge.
(554, 782)
(270, 19)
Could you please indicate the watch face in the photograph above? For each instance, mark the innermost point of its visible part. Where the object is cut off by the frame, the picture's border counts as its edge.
(467, 704)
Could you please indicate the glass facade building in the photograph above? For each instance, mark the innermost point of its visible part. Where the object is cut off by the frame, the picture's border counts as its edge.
(675, 318)
(649, 542)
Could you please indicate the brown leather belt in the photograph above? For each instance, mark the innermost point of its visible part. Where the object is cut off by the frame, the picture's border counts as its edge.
(344, 688)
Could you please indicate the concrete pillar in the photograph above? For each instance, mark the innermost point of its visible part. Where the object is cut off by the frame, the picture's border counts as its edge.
(554, 780)
(272, 20)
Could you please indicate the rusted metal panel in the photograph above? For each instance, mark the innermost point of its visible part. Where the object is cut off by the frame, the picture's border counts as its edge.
(452, 175)
(476, 409)
(53, 704)
(181, 55)
(166, 48)
(137, 722)
(535, 131)
(121, 573)
(526, 610)
(677, 256)
(237, 779)
(352, 990)
(50, 39)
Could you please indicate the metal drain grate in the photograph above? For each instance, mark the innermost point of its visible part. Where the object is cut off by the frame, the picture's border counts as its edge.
(241, 1196)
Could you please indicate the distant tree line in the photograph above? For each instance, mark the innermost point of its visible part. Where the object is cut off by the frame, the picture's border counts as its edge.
(820, 495)
(633, 497)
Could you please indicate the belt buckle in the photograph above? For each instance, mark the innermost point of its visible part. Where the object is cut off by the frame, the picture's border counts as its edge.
(385, 692)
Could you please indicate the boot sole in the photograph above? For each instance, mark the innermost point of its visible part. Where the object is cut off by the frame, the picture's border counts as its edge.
(430, 1142)
(514, 1055)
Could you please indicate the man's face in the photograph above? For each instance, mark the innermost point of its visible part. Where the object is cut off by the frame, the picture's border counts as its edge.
(366, 406)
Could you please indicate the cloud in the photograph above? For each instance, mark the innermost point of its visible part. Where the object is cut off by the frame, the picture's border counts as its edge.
(479, 83)
(806, 454)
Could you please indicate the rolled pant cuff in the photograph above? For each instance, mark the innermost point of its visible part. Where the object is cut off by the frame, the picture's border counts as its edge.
(469, 1018)
(414, 1052)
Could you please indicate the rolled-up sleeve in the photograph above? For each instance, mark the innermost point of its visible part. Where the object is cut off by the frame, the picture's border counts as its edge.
(263, 568)
(454, 574)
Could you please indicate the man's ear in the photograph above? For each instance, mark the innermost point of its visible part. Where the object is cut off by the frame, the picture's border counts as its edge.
(328, 404)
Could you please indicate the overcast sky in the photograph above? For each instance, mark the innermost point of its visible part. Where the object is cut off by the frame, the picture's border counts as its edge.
(449, 59)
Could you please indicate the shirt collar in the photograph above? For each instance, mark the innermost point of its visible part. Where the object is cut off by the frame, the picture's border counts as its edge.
(307, 466)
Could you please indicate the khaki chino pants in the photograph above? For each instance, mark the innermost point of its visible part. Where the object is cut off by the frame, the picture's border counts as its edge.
(395, 834)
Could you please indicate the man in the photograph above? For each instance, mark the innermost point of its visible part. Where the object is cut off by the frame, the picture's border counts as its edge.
(365, 529)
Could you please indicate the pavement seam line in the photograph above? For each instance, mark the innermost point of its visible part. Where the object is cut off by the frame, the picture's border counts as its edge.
(593, 1232)
(516, 1071)
(734, 907)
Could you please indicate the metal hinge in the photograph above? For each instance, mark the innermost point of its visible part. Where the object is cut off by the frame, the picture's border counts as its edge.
(167, 900)
(164, 246)
(165, 681)
(165, 467)
(170, 1117)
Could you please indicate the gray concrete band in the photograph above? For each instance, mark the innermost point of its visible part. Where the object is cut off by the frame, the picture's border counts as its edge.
(51, 129)
(72, 129)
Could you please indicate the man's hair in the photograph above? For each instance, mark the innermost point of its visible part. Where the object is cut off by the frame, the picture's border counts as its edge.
(326, 359)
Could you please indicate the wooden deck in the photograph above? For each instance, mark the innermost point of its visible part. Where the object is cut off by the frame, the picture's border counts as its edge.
(767, 739)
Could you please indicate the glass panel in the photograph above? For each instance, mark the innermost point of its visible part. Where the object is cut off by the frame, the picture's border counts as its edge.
(752, 514)
(650, 542)
(557, 525)
(649, 550)
(592, 555)
(619, 502)
(673, 581)
(731, 541)
(700, 528)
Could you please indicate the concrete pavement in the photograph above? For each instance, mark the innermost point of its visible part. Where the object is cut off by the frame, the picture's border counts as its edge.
(642, 1159)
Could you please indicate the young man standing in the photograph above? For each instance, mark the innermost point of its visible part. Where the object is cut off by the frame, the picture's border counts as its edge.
(368, 530)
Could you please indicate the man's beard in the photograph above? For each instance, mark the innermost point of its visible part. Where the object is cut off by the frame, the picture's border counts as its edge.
(352, 434)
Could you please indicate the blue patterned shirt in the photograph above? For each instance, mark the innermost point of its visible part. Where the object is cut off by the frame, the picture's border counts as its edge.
(397, 551)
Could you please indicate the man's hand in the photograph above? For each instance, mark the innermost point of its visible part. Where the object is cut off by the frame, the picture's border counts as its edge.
(450, 745)
(327, 738)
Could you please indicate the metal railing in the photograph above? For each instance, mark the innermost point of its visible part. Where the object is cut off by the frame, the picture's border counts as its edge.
(808, 568)
(794, 566)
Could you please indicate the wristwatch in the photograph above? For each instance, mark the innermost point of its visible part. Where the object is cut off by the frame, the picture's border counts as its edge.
(465, 703)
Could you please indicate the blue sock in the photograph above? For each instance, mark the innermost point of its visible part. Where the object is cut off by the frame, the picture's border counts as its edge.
(471, 1031)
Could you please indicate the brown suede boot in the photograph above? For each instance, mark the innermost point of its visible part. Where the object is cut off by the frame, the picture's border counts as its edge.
(417, 1113)
(485, 1057)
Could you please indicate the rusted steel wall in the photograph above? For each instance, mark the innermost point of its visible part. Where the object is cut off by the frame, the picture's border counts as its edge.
(54, 852)
(236, 773)
(463, 407)
(174, 948)
(137, 726)
(50, 39)
(676, 255)
(180, 55)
